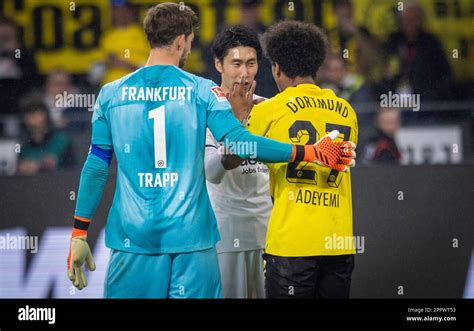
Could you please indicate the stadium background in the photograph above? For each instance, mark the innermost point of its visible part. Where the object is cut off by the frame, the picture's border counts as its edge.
(415, 218)
(70, 39)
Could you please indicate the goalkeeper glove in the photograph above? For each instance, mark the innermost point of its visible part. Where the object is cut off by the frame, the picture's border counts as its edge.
(336, 155)
(79, 252)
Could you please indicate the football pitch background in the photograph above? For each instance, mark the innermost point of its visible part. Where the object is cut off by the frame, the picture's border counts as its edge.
(415, 221)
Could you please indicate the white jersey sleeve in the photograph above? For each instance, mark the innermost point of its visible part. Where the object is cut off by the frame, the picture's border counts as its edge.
(212, 161)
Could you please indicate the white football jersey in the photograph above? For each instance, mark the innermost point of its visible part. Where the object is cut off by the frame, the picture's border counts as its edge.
(241, 203)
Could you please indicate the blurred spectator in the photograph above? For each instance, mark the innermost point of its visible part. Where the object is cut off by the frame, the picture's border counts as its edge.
(124, 47)
(250, 16)
(363, 53)
(382, 148)
(416, 59)
(17, 69)
(352, 87)
(43, 149)
(58, 82)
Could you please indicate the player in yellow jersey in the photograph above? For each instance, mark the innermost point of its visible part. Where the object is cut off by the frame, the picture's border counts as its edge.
(309, 249)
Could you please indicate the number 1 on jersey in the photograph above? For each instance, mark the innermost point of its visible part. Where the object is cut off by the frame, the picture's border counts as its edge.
(159, 135)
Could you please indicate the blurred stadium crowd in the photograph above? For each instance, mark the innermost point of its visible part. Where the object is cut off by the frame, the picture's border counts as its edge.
(45, 107)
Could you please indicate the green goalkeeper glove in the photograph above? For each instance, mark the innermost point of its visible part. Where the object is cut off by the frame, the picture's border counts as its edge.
(79, 253)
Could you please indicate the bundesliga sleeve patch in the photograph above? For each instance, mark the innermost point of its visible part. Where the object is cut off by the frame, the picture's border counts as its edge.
(218, 93)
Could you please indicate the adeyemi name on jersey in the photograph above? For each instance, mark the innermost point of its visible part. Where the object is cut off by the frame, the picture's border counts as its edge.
(298, 103)
(164, 179)
(318, 198)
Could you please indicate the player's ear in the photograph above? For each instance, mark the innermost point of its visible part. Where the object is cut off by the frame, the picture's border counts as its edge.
(218, 65)
(276, 70)
(180, 42)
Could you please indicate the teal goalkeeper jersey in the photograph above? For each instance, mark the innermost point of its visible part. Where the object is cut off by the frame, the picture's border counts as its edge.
(155, 121)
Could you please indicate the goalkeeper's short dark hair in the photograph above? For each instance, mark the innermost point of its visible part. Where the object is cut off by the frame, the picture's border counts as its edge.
(299, 48)
(166, 21)
(235, 36)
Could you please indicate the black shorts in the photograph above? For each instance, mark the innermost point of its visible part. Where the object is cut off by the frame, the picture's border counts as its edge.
(308, 277)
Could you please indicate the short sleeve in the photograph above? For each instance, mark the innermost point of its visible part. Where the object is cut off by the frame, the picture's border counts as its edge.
(354, 137)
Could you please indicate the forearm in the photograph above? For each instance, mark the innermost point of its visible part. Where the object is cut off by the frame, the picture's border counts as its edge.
(91, 186)
(213, 166)
(225, 128)
(93, 178)
(248, 146)
(230, 161)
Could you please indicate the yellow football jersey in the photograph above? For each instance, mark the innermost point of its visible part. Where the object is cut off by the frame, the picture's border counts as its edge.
(312, 213)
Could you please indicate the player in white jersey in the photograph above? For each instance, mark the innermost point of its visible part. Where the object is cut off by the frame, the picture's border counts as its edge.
(238, 190)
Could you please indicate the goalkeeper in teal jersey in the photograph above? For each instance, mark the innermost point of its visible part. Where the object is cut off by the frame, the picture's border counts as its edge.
(161, 228)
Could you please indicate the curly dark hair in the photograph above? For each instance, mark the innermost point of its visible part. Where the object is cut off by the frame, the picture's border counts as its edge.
(299, 48)
(234, 37)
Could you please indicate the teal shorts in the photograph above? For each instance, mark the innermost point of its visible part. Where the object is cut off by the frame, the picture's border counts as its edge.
(183, 275)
